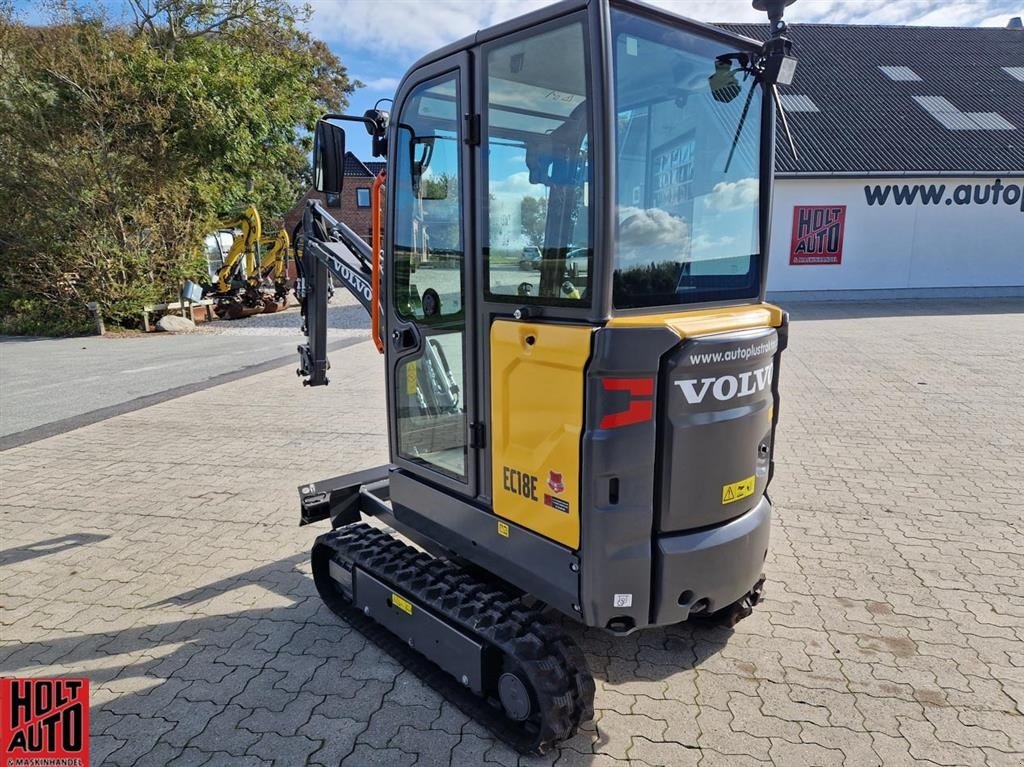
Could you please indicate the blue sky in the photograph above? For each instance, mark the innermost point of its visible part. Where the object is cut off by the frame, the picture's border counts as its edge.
(379, 39)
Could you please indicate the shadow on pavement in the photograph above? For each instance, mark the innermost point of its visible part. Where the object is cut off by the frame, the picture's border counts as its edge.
(235, 683)
(918, 307)
(214, 688)
(49, 546)
(649, 654)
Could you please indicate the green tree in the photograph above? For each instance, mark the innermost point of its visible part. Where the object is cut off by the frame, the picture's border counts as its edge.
(123, 145)
(533, 216)
(438, 187)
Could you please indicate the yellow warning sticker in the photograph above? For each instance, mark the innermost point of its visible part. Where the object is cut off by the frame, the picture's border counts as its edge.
(737, 490)
(402, 604)
(503, 529)
(411, 382)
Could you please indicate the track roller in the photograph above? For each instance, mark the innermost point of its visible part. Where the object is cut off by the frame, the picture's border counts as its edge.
(509, 666)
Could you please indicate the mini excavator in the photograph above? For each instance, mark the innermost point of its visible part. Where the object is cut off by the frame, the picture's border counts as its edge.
(253, 278)
(591, 438)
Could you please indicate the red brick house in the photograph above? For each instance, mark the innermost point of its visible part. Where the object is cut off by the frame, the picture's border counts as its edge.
(353, 205)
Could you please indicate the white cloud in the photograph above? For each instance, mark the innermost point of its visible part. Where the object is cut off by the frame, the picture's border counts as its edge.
(518, 185)
(385, 84)
(651, 227)
(412, 28)
(703, 242)
(917, 12)
(409, 27)
(1000, 19)
(733, 196)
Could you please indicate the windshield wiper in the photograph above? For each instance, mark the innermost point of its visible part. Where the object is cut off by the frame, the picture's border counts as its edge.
(774, 65)
(743, 120)
(739, 129)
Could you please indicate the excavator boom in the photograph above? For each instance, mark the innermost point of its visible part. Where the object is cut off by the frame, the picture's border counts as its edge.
(329, 249)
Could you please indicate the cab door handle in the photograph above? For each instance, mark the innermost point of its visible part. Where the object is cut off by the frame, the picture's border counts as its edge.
(405, 338)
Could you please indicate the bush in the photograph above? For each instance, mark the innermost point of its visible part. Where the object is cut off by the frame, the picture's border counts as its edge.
(32, 317)
(124, 146)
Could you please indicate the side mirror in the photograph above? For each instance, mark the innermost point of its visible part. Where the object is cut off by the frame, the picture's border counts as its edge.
(421, 151)
(377, 126)
(328, 158)
(723, 83)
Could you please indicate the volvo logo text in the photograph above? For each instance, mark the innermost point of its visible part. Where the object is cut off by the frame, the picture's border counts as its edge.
(353, 279)
(725, 388)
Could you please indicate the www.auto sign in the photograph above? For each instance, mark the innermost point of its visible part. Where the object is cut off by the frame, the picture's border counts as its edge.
(817, 234)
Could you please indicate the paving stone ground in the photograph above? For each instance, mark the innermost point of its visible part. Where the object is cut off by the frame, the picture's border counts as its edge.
(156, 553)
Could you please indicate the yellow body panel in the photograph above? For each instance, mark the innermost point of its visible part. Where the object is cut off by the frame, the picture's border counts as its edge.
(703, 322)
(537, 421)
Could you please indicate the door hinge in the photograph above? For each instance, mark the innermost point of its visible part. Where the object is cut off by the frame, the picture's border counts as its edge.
(472, 131)
(477, 435)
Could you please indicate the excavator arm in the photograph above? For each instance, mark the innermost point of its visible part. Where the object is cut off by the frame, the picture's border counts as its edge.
(329, 248)
(274, 263)
(274, 260)
(241, 253)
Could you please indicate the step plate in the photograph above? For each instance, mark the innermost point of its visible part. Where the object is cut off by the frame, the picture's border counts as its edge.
(449, 648)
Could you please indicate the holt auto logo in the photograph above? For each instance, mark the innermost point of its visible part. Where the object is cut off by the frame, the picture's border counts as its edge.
(817, 235)
(44, 722)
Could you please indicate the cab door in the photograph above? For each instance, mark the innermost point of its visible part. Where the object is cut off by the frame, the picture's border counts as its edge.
(432, 377)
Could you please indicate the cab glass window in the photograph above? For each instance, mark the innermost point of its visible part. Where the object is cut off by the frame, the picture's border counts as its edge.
(537, 230)
(429, 381)
(428, 242)
(688, 121)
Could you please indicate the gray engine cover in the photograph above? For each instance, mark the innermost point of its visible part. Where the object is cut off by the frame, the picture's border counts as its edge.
(716, 441)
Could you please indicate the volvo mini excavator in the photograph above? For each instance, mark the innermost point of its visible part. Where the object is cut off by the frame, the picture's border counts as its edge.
(593, 437)
(253, 278)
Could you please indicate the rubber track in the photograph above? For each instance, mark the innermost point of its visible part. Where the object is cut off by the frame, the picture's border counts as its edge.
(551, 661)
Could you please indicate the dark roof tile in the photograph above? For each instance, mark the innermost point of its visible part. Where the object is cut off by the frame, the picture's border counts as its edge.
(869, 123)
(355, 167)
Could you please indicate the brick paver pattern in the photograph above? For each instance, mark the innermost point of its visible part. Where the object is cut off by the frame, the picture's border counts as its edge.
(157, 553)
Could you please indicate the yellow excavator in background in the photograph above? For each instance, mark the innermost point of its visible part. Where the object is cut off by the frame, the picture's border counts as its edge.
(253, 278)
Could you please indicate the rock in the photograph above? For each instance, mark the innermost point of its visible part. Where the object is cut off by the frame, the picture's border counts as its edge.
(172, 323)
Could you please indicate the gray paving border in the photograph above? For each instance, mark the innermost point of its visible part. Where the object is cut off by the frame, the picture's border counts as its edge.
(52, 429)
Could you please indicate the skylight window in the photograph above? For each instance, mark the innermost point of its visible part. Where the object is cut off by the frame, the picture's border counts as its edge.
(797, 102)
(1017, 73)
(952, 118)
(990, 121)
(901, 74)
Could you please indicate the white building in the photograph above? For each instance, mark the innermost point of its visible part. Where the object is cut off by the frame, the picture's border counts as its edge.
(909, 180)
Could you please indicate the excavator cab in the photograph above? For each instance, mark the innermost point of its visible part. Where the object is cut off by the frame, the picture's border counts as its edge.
(592, 433)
